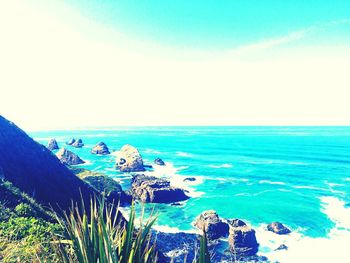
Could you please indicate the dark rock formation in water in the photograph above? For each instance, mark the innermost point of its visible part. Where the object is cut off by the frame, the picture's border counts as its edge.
(70, 142)
(78, 143)
(278, 228)
(242, 240)
(68, 158)
(189, 179)
(100, 148)
(129, 159)
(213, 225)
(159, 161)
(150, 189)
(33, 168)
(52, 145)
(282, 247)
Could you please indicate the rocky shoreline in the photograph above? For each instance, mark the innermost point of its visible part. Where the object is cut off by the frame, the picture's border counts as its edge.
(228, 238)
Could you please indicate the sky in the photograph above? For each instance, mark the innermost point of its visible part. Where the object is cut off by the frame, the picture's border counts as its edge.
(72, 64)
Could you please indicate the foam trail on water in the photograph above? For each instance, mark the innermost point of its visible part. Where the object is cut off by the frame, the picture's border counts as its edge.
(225, 165)
(170, 172)
(333, 248)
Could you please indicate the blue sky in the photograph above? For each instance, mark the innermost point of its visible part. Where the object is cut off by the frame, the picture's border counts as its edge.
(174, 63)
(217, 24)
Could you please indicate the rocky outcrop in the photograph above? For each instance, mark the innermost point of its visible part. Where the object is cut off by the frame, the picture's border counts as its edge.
(150, 189)
(129, 159)
(78, 143)
(52, 145)
(33, 169)
(213, 225)
(242, 240)
(68, 158)
(100, 148)
(70, 142)
(109, 188)
(159, 161)
(278, 228)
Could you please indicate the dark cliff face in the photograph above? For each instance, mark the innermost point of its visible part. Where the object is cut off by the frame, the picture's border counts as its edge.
(35, 170)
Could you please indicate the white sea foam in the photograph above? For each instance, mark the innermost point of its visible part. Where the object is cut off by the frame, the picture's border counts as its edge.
(270, 182)
(309, 187)
(169, 229)
(171, 172)
(184, 154)
(225, 165)
(333, 248)
(153, 151)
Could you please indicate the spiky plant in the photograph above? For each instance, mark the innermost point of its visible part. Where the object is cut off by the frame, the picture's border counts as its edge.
(204, 255)
(101, 236)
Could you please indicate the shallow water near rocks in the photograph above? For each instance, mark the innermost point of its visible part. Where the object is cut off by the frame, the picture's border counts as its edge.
(296, 175)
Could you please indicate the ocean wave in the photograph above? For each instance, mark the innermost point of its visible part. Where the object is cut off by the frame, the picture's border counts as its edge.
(310, 187)
(301, 248)
(271, 182)
(184, 154)
(171, 172)
(153, 151)
(170, 229)
(225, 165)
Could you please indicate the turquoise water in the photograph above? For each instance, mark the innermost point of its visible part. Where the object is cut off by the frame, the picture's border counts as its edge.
(258, 174)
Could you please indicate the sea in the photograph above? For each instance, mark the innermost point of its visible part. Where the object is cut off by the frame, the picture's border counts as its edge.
(299, 176)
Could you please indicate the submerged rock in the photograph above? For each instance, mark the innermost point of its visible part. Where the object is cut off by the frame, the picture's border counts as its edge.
(100, 148)
(242, 240)
(189, 179)
(159, 161)
(78, 143)
(52, 145)
(214, 226)
(68, 158)
(278, 228)
(282, 247)
(129, 159)
(150, 189)
(70, 142)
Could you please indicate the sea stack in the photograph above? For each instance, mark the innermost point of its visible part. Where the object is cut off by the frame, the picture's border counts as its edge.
(68, 158)
(151, 189)
(242, 239)
(52, 145)
(213, 225)
(100, 148)
(129, 160)
(78, 143)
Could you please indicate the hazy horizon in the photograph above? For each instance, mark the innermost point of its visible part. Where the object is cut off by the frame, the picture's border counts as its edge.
(126, 63)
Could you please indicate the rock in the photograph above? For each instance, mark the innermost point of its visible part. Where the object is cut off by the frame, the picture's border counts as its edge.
(242, 240)
(214, 226)
(78, 143)
(70, 142)
(68, 158)
(150, 189)
(282, 247)
(278, 228)
(34, 170)
(52, 145)
(237, 223)
(189, 179)
(100, 148)
(159, 161)
(129, 159)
